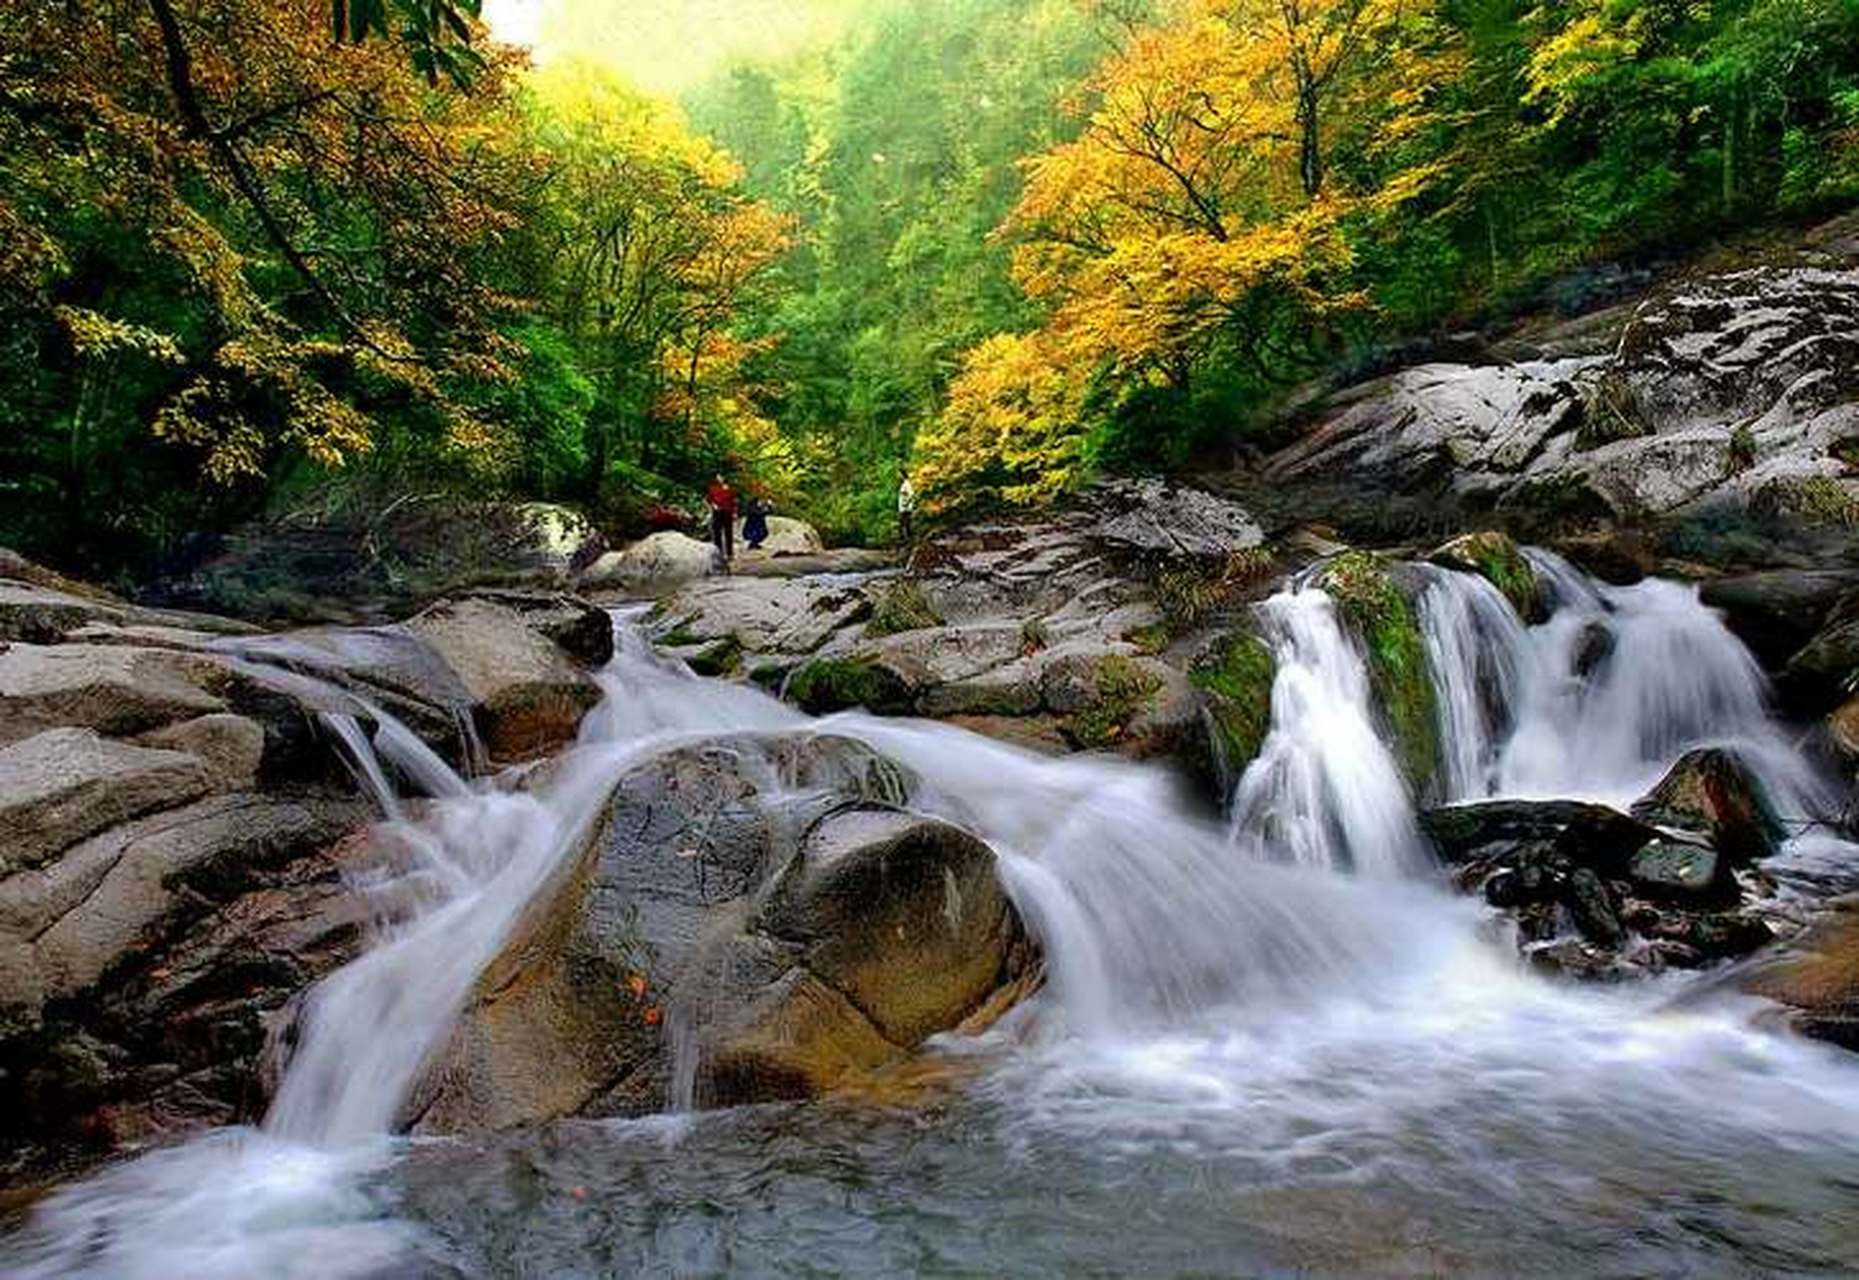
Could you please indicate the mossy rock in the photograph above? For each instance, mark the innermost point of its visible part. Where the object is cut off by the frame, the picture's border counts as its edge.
(1120, 690)
(722, 658)
(1234, 676)
(901, 606)
(838, 684)
(1500, 561)
(1383, 619)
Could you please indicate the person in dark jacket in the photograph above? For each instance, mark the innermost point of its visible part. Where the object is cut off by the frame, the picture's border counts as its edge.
(755, 522)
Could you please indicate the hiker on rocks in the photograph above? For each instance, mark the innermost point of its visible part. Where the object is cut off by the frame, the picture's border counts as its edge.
(722, 502)
(906, 509)
(755, 521)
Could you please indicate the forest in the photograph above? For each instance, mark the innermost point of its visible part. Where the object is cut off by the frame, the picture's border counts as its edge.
(269, 256)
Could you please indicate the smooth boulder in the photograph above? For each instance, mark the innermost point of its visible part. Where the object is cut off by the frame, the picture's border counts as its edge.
(654, 565)
(752, 918)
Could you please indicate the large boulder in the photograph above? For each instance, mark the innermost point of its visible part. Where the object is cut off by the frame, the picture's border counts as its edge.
(1712, 793)
(889, 928)
(1733, 392)
(786, 537)
(731, 932)
(526, 696)
(140, 971)
(654, 565)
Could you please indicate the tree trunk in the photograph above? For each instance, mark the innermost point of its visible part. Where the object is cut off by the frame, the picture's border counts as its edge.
(1310, 149)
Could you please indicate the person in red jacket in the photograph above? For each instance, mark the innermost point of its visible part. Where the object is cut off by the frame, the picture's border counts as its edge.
(722, 502)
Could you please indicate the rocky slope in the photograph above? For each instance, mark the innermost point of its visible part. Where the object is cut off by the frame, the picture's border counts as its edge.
(182, 827)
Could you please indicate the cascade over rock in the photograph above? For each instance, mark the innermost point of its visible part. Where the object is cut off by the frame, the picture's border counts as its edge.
(181, 796)
(731, 932)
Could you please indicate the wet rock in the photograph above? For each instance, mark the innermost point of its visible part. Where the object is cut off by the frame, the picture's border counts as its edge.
(1843, 728)
(1673, 868)
(654, 565)
(1497, 559)
(734, 925)
(1816, 676)
(840, 684)
(138, 972)
(526, 696)
(1579, 960)
(1778, 611)
(1710, 791)
(1816, 980)
(62, 785)
(903, 915)
(1593, 909)
(1380, 613)
(1591, 834)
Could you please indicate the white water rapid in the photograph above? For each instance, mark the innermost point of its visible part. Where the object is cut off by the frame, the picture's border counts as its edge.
(1291, 1002)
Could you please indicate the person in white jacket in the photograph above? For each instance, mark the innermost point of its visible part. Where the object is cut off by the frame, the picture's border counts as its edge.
(906, 509)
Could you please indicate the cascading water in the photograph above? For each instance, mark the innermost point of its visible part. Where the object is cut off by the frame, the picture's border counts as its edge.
(1325, 791)
(1240, 1051)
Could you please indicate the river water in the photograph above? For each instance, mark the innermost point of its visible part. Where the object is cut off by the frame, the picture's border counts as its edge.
(1273, 1046)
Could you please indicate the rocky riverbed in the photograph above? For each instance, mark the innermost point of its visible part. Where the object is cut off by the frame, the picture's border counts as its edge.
(194, 805)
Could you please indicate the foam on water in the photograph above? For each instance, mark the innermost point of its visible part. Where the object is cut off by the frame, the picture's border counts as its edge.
(1292, 987)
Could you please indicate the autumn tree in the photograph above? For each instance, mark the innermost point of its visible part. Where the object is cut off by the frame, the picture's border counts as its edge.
(1191, 221)
(647, 249)
(221, 224)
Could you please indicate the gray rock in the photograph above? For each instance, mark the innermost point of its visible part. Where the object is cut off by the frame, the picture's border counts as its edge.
(654, 565)
(62, 785)
(1156, 518)
(113, 690)
(232, 747)
(525, 695)
(1734, 389)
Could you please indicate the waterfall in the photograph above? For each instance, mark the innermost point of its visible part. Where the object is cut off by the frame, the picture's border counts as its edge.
(1274, 962)
(1325, 791)
(1599, 700)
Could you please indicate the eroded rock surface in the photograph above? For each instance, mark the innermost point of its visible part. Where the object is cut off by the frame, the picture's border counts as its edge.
(754, 918)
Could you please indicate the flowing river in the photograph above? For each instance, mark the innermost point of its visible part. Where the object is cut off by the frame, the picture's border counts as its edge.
(1271, 1047)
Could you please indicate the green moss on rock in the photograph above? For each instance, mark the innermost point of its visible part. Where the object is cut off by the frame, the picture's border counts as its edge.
(1120, 689)
(719, 659)
(837, 684)
(1500, 561)
(1234, 676)
(901, 606)
(1383, 619)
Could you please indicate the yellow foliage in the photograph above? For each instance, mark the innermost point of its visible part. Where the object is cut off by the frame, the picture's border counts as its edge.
(1193, 210)
(1012, 427)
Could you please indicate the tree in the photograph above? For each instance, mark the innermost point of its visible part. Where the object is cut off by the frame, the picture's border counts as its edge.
(301, 224)
(647, 249)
